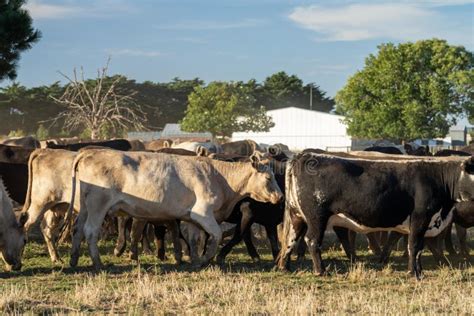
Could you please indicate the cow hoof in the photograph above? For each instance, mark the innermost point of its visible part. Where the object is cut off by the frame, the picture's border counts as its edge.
(220, 260)
(133, 256)
(97, 267)
(162, 258)
(73, 261)
(118, 252)
(256, 259)
(57, 261)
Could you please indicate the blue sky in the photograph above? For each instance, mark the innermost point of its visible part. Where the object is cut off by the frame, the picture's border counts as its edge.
(320, 41)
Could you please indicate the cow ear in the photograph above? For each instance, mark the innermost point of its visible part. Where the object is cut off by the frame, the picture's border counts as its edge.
(255, 160)
(468, 166)
(202, 151)
(23, 218)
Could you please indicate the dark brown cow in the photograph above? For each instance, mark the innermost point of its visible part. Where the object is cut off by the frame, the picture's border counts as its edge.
(14, 170)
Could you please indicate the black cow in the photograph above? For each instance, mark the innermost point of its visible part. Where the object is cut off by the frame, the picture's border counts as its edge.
(249, 211)
(450, 152)
(411, 196)
(461, 231)
(385, 150)
(14, 170)
(118, 144)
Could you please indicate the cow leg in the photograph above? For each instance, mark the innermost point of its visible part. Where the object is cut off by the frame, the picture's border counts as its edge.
(296, 230)
(383, 238)
(236, 238)
(146, 240)
(343, 236)
(393, 237)
(252, 251)
(352, 237)
(273, 237)
(191, 234)
(314, 239)
(301, 247)
(78, 235)
(448, 240)
(96, 214)
(434, 245)
(173, 227)
(135, 234)
(461, 232)
(122, 222)
(208, 223)
(160, 232)
(50, 229)
(374, 245)
(418, 227)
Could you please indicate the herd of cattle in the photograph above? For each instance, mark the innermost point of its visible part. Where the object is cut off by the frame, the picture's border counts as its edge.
(191, 188)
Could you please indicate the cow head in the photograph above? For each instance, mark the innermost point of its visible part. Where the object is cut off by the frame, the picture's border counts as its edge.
(262, 185)
(12, 241)
(466, 180)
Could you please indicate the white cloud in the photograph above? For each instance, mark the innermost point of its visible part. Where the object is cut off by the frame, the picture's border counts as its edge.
(134, 52)
(40, 9)
(407, 20)
(212, 25)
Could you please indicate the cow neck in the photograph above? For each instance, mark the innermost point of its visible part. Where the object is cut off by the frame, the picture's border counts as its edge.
(449, 174)
(236, 174)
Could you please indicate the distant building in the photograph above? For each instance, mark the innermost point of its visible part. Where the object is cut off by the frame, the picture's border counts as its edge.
(300, 128)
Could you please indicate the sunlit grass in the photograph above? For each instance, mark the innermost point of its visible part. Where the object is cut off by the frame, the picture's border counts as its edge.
(241, 286)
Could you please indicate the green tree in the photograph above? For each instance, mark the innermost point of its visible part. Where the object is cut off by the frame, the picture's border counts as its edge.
(16, 35)
(409, 91)
(282, 90)
(223, 108)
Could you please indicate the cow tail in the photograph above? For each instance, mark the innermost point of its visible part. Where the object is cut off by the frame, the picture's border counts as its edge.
(27, 204)
(68, 219)
(285, 231)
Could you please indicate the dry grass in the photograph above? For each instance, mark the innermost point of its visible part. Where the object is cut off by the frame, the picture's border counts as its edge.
(241, 288)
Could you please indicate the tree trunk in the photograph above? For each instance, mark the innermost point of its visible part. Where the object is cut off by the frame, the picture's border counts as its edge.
(94, 135)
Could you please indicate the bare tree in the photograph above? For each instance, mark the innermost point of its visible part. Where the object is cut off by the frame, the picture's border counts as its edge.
(97, 105)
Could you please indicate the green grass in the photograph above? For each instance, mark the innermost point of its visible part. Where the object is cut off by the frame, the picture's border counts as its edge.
(241, 286)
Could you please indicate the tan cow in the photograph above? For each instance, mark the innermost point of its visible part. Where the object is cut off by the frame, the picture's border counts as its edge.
(49, 192)
(12, 236)
(155, 186)
(158, 144)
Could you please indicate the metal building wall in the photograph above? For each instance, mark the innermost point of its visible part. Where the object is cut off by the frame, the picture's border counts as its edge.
(300, 129)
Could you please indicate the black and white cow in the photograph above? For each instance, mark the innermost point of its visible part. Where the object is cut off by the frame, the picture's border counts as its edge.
(412, 196)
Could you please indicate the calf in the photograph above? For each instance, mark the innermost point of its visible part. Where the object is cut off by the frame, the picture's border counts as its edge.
(413, 197)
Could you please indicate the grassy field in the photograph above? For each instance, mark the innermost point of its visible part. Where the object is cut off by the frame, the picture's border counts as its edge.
(241, 287)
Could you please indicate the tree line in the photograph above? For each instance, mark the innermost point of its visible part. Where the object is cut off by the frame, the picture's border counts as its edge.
(32, 110)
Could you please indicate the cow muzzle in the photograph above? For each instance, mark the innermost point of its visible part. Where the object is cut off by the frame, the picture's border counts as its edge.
(276, 198)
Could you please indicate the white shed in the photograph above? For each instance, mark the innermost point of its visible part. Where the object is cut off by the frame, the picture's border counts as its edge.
(300, 128)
